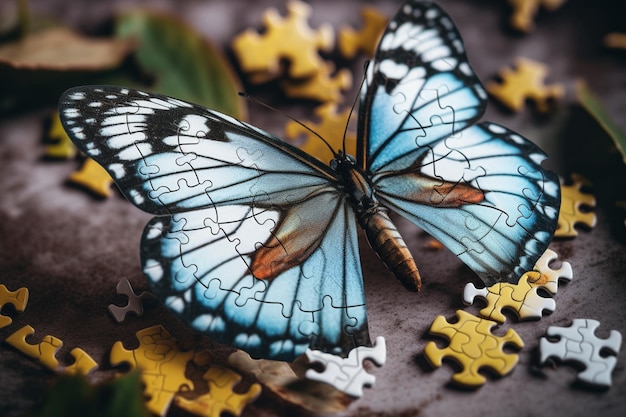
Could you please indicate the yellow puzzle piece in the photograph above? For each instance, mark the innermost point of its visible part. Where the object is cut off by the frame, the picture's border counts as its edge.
(285, 39)
(221, 397)
(321, 86)
(162, 365)
(331, 127)
(62, 148)
(17, 298)
(365, 40)
(46, 350)
(572, 200)
(473, 347)
(525, 10)
(93, 177)
(522, 83)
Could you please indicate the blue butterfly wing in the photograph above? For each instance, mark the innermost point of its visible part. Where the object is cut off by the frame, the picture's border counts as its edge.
(478, 189)
(247, 246)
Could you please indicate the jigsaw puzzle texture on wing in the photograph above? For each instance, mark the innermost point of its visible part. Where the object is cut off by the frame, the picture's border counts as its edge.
(521, 298)
(573, 199)
(45, 352)
(525, 82)
(579, 344)
(473, 347)
(254, 242)
(18, 299)
(347, 374)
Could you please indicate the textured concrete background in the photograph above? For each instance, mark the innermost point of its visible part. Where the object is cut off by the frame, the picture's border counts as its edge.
(70, 250)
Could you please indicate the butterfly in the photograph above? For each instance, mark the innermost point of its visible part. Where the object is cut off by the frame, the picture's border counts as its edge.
(255, 242)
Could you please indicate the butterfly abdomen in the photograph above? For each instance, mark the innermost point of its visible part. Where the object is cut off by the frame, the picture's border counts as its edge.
(385, 239)
(381, 233)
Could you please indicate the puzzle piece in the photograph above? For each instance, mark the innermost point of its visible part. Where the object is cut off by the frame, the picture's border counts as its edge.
(221, 397)
(473, 347)
(321, 86)
(162, 365)
(570, 215)
(525, 10)
(135, 302)
(45, 352)
(347, 374)
(62, 148)
(289, 38)
(526, 81)
(18, 299)
(365, 40)
(578, 343)
(615, 40)
(521, 298)
(93, 177)
(331, 127)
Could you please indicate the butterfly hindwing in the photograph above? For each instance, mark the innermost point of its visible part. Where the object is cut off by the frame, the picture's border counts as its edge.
(254, 244)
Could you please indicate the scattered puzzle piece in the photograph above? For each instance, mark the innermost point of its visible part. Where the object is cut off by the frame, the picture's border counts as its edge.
(473, 347)
(62, 148)
(221, 397)
(135, 302)
(18, 299)
(321, 86)
(347, 374)
(289, 38)
(331, 127)
(526, 81)
(578, 343)
(162, 365)
(615, 40)
(570, 215)
(365, 40)
(525, 10)
(93, 177)
(521, 298)
(46, 350)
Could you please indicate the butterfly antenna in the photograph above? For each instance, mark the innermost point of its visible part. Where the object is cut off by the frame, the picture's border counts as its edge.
(282, 113)
(356, 99)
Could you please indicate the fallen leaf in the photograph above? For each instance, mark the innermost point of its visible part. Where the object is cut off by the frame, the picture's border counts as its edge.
(60, 49)
(182, 63)
(288, 383)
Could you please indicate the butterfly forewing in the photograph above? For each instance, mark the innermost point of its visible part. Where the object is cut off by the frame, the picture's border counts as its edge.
(237, 205)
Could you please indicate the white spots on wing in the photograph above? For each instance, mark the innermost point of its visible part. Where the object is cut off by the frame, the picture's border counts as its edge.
(111, 96)
(445, 22)
(71, 112)
(142, 93)
(175, 303)
(517, 138)
(498, 130)
(480, 91)
(90, 121)
(117, 170)
(79, 95)
(177, 103)
(95, 104)
(153, 268)
(432, 14)
(245, 340)
(123, 91)
(393, 70)
(133, 153)
(207, 322)
(78, 132)
(136, 196)
(194, 125)
(94, 152)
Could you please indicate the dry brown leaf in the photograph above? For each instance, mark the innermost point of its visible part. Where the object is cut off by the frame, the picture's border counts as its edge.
(60, 49)
(286, 381)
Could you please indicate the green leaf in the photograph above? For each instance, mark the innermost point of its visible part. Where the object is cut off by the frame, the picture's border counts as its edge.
(74, 396)
(182, 63)
(592, 104)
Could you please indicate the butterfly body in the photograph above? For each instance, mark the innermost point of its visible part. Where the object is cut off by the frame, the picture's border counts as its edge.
(381, 232)
(255, 242)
